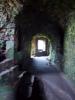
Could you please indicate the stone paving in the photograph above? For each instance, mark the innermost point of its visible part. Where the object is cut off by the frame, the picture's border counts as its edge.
(55, 86)
(6, 92)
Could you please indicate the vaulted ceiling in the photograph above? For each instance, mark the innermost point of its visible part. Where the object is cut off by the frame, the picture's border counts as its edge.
(59, 9)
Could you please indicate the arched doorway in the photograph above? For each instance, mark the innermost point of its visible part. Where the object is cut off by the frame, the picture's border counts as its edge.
(40, 45)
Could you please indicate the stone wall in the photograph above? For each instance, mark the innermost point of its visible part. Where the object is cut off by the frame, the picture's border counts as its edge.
(69, 48)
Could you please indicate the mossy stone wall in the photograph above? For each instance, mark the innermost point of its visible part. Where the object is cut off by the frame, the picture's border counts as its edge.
(69, 48)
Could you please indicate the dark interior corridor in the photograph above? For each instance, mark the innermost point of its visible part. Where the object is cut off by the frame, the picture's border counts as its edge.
(37, 49)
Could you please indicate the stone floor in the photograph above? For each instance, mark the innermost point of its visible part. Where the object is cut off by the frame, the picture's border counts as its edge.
(6, 92)
(40, 65)
(57, 87)
(49, 84)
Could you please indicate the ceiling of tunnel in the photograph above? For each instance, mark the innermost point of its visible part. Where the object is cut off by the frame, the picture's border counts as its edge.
(58, 9)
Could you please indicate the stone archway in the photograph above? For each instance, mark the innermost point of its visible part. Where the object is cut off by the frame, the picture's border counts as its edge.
(38, 49)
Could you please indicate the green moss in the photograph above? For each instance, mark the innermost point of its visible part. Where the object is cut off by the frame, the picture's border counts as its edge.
(69, 46)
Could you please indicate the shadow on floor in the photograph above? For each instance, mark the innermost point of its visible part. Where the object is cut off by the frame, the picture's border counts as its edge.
(26, 90)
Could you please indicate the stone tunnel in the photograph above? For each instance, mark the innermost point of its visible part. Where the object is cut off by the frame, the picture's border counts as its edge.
(36, 22)
(30, 69)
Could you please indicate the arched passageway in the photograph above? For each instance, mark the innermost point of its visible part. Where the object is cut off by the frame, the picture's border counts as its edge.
(38, 22)
(42, 16)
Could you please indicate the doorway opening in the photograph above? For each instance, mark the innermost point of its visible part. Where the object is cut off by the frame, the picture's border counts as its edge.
(40, 46)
